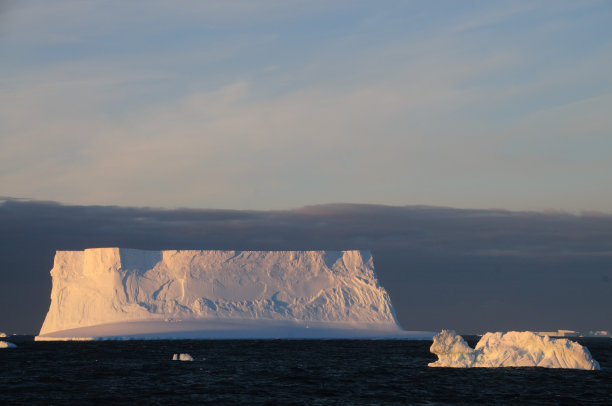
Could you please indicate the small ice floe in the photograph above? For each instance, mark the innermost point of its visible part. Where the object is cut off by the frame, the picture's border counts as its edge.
(511, 349)
(182, 357)
(2, 334)
(5, 344)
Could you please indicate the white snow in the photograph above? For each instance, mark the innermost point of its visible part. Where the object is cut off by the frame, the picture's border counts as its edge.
(511, 349)
(125, 293)
(5, 344)
(182, 357)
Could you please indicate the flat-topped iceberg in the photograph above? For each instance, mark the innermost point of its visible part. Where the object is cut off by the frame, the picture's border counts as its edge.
(511, 349)
(125, 293)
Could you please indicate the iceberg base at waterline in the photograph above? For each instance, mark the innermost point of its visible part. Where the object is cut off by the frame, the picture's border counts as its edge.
(230, 329)
(511, 349)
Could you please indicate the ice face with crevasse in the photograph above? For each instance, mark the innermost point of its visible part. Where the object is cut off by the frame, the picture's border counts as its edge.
(511, 349)
(105, 292)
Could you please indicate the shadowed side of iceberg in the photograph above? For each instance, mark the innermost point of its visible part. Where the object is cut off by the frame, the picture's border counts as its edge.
(511, 349)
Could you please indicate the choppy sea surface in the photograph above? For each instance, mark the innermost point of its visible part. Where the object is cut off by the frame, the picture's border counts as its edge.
(288, 372)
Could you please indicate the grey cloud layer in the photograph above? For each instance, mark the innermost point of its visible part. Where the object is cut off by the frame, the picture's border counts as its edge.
(472, 270)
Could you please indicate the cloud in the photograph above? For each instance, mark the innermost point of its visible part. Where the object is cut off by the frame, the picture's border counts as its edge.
(210, 105)
(473, 270)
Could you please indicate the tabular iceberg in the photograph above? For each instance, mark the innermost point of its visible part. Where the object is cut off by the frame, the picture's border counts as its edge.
(116, 292)
(511, 349)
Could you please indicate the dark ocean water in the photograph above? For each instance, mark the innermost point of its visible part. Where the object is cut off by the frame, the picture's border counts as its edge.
(300, 372)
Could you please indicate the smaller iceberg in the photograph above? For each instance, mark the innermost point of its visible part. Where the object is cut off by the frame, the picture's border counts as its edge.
(6, 344)
(511, 349)
(2, 334)
(182, 357)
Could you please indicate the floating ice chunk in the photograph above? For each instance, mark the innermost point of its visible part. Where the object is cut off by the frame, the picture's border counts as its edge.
(5, 344)
(601, 333)
(2, 334)
(182, 357)
(511, 349)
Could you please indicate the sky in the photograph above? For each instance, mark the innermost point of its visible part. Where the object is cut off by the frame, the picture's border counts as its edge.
(468, 270)
(274, 105)
(467, 144)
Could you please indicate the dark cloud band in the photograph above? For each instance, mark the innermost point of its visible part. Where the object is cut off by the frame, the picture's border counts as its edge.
(472, 270)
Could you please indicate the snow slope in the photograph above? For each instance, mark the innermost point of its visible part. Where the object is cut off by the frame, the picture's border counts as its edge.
(511, 349)
(116, 292)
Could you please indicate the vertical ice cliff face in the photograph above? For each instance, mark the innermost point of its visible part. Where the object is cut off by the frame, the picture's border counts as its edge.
(111, 285)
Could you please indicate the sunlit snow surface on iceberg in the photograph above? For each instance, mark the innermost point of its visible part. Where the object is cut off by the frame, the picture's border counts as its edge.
(5, 344)
(511, 349)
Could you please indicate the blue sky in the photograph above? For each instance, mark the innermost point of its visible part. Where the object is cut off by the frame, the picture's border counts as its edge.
(280, 104)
